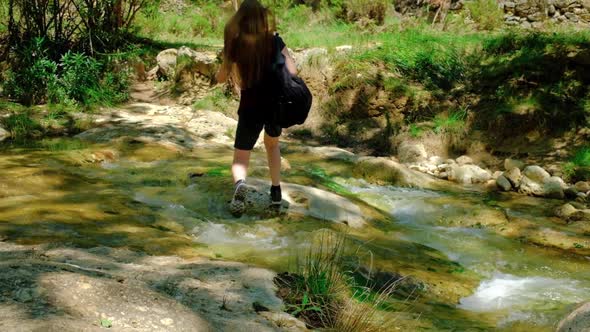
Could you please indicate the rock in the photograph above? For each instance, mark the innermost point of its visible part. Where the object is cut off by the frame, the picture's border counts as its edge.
(553, 188)
(513, 163)
(531, 187)
(582, 198)
(509, 4)
(344, 49)
(384, 170)
(410, 152)
(536, 173)
(284, 320)
(307, 201)
(167, 62)
(578, 320)
(496, 175)
(583, 186)
(580, 215)
(450, 161)
(436, 160)
(310, 57)
(514, 176)
(152, 74)
(571, 192)
(503, 183)
(565, 211)
(204, 63)
(3, 134)
(464, 160)
(551, 10)
(333, 153)
(468, 174)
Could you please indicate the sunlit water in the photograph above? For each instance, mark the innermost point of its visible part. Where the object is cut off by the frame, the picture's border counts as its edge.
(143, 199)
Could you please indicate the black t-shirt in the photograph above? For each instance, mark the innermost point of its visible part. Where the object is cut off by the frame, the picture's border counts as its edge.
(253, 101)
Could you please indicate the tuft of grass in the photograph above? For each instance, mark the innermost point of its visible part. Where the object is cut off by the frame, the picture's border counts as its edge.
(22, 124)
(486, 14)
(323, 295)
(578, 167)
(453, 123)
(218, 100)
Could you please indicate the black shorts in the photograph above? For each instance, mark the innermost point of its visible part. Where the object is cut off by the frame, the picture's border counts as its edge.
(248, 132)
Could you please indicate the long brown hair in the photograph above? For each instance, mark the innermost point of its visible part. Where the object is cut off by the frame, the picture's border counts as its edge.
(248, 43)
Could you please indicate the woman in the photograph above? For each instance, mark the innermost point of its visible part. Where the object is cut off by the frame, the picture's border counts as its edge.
(249, 45)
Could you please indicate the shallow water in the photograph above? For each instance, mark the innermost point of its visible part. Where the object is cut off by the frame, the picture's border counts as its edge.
(482, 272)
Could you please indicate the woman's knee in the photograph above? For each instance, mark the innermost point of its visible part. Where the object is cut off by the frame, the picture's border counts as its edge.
(270, 142)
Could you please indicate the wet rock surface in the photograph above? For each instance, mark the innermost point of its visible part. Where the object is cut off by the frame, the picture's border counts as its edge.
(72, 289)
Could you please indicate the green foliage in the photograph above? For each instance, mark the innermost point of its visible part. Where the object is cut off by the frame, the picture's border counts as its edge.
(21, 124)
(79, 79)
(217, 99)
(30, 77)
(363, 11)
(76, 79)
(454, 122)
(486, 14)
(578, 167)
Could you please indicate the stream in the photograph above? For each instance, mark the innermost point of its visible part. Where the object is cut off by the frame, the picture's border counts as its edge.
(471, 250)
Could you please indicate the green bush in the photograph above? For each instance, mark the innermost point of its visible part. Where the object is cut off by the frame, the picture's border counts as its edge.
(486, 14)
(363, 10)
(28, 79)
(21, 124)
(80, 77)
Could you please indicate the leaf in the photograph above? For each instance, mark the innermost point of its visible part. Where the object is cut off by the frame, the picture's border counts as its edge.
(106, 323)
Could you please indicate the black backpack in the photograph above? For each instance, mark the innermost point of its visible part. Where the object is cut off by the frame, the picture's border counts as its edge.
(292, 99)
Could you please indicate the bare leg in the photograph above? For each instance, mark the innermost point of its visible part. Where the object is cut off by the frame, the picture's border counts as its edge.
(273, 153)
(239, 168)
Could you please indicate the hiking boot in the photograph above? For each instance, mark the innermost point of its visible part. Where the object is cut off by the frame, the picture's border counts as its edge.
(276, 197)
(237, 207)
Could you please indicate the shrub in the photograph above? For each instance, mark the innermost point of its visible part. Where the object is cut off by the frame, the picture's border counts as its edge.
(29, 77)
(80, 77)
(362, 10)
(486, 14)
(325, 296)
(21, 124)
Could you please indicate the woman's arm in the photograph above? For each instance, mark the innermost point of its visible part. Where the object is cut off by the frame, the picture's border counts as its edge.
(289, 61)
(222, 75)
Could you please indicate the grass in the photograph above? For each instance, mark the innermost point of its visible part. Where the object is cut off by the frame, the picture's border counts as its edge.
(454, 122)
(323, 295)
(217, 100)
(578, 167)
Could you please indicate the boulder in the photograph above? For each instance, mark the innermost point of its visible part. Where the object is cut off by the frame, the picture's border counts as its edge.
(578, 320)
(503, 183)
(384, 170)
(581, 215)
(571, 192)
(553, 188)
(436, 160)
(203, 63)
(468, 174)
(565, 211)
(513, 163)
(583, 186)
(536, 173)
(344, 49)
(3, 134)
(410, 152)
(531, 187)
(514, 176)
(167, 62)
(308, 201)
(464, 160)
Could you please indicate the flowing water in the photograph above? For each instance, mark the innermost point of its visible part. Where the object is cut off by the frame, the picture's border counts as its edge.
(481, 258)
